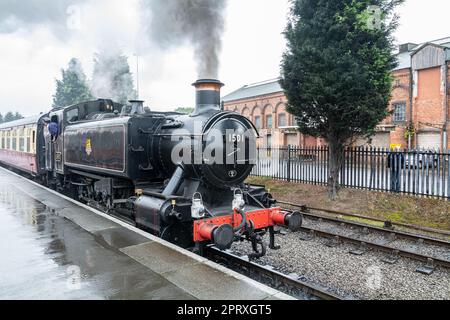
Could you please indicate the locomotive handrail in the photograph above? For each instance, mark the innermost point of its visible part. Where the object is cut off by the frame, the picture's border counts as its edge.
(138, 149)
(161, 196)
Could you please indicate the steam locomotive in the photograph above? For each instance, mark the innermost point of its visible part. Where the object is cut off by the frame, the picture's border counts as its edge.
(180, 177)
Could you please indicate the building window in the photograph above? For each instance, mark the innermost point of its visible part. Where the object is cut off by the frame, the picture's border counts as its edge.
(269, 141)
(258, 122)
(399, 112)
(282, 120)
(269, 120)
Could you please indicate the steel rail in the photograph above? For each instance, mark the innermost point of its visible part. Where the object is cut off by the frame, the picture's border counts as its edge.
(397, 233)
(406, 234)
(277, 279)
(381, 247)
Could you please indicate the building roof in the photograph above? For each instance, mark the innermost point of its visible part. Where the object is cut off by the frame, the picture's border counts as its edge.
(273, 85)
(255, 90)
(404, 58)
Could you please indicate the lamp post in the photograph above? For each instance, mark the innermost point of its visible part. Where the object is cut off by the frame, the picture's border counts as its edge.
(137, 74)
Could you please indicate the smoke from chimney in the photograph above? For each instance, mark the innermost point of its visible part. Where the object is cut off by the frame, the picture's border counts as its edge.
(199, 22)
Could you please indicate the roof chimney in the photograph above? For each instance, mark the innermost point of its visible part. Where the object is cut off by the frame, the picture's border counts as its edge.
(406, 47)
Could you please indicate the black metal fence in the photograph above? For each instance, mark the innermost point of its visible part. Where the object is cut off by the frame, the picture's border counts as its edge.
(415, 172)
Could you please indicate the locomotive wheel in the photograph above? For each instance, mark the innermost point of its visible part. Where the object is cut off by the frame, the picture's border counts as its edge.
(179, 234)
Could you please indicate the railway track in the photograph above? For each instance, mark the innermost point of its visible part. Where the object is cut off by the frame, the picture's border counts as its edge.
(289, 284)
(384, 239)
(386, 223)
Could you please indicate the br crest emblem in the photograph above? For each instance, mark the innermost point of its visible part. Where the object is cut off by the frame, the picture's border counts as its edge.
(88, 147)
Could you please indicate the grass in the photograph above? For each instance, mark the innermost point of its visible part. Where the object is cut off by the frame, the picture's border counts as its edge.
(426, 212)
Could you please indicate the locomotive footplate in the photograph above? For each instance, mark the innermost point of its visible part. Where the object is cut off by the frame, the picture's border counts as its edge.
(222, 231)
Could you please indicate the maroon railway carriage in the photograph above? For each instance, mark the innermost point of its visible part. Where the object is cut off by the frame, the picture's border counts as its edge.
(20, 142)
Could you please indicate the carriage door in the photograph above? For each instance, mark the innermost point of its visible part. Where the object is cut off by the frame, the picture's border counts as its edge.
(49, 159)
(58, 146)
(55, 143)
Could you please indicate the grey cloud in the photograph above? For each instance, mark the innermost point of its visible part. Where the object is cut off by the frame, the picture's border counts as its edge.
(16, 14)
(199, 22)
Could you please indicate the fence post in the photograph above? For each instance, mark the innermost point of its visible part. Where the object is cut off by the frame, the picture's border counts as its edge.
(289, 164)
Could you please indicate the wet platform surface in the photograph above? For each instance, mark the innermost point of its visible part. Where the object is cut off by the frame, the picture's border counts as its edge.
(52, 248)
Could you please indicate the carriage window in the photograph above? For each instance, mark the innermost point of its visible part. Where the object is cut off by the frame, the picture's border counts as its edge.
(22, 144)
(21, 135)
(14, 140)
(8, 140)
(28, 144)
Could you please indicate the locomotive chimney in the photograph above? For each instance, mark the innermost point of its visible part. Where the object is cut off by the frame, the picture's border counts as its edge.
(207, 95)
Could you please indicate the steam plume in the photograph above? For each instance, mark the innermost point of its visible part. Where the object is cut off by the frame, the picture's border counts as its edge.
(199, 22)
(112, 77)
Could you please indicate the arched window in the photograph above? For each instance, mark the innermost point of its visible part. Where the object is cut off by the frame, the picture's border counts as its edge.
(268, 116)
(246, 112)
(269, 121)
(258, 122)
(257, 116)
(282, 120)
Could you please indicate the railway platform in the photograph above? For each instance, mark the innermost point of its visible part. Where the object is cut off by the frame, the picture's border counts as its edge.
(52, 247)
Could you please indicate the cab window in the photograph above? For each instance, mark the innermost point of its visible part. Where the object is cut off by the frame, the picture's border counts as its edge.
(72, 115)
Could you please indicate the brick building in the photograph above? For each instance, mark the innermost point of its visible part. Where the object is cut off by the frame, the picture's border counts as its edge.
(420, 96)
(265, 104)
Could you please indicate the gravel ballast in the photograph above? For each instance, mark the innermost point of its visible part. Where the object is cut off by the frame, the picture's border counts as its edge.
(353, 276)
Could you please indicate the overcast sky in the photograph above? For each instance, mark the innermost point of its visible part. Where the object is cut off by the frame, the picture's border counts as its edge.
(31, 57)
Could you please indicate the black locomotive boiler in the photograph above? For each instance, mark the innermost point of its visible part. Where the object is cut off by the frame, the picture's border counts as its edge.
(181, 177)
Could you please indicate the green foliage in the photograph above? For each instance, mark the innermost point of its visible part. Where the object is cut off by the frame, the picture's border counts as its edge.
(10, 116)
(336, 71)
(184, 110)
(410, 131)
(112, 78)
(72, 88)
